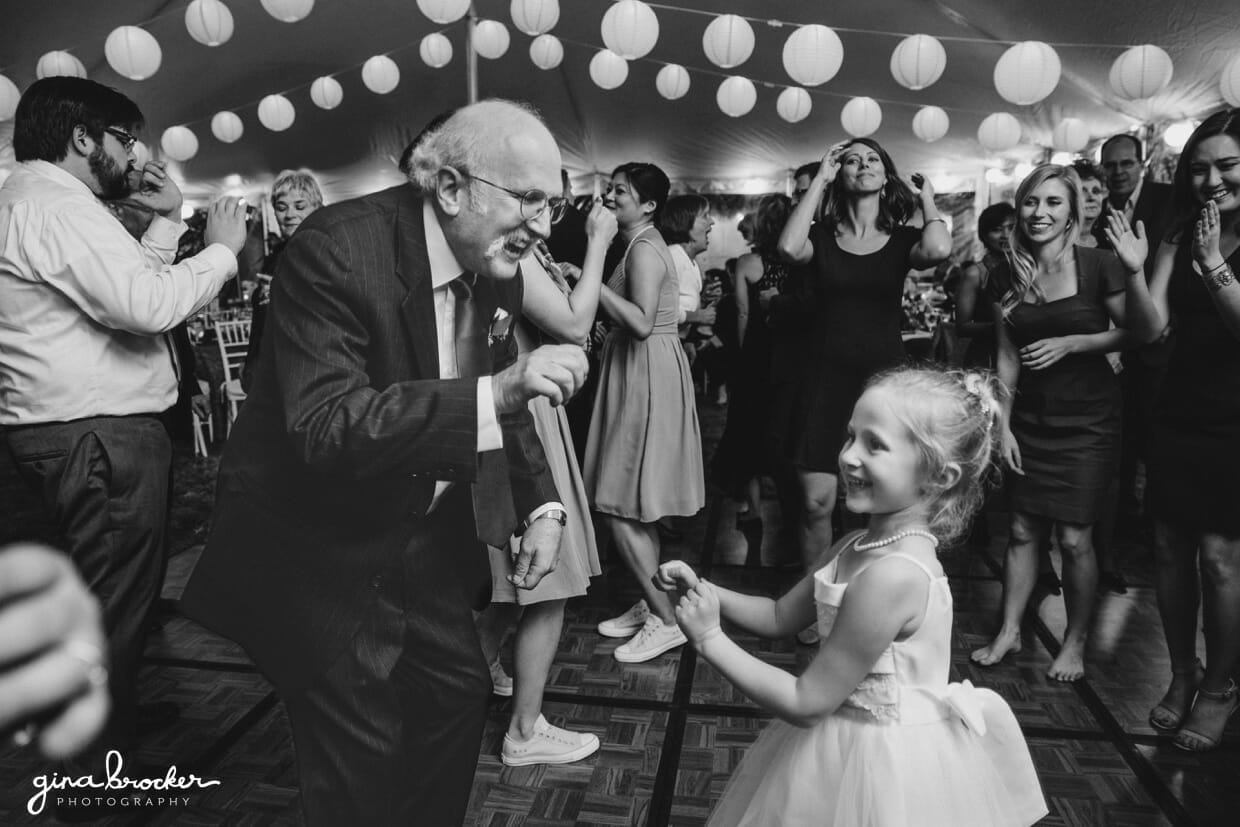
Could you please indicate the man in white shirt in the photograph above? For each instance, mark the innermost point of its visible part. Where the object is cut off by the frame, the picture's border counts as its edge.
(85, 366)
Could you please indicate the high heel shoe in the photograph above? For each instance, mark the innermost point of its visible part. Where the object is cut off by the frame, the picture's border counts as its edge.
(1194, 740)
(1166, 716)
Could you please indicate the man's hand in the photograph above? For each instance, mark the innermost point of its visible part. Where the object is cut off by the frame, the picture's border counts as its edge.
(154, 190)
(53, 668)
(539, 555)
(200, 404)
(226, 224)
(553, 371)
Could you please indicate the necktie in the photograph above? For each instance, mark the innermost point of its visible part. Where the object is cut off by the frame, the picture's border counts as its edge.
(494, 516)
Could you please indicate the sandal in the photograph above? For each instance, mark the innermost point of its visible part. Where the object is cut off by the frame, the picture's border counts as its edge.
(1191, 740)
(1168, 718)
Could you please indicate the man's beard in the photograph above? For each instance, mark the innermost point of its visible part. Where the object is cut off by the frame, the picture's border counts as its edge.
(112, 179)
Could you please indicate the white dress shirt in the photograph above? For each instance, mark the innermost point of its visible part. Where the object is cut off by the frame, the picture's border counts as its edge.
(688, 281)
(83, 305)
(444, 270)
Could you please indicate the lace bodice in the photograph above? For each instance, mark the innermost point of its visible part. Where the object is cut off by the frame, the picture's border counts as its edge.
(918, 662)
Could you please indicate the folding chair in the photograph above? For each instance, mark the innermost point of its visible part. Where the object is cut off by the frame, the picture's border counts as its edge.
(201, 445)
(234, 340)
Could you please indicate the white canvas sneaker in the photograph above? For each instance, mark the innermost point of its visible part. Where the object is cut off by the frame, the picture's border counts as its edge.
(654, 639)
(548, 745)
(627, 624)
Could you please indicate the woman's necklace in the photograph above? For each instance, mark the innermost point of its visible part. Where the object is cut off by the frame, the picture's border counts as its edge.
(899, 535)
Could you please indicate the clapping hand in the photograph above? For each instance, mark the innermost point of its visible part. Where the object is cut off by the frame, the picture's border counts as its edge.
(1130, 244)
(1205, 239)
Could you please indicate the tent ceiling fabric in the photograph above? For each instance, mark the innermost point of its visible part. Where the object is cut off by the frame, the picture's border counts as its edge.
(353, 147)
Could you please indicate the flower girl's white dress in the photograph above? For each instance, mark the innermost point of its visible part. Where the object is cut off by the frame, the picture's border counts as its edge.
(907, 749)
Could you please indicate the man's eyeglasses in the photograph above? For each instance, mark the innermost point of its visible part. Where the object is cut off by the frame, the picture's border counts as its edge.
(127, 140)
(533, 202)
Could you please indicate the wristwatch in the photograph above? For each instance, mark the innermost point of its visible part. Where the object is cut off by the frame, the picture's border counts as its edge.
(557, 514)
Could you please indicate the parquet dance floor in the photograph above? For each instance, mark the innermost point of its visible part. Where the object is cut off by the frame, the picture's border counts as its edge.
(672, 729)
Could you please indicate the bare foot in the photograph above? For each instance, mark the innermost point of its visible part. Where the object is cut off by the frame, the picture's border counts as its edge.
(997, 650)
(1070, 665)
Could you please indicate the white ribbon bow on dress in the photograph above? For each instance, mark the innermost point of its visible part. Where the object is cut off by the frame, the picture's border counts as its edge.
(965, 702)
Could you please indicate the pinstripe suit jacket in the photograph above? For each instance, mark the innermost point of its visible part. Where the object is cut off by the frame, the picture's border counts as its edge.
(334, 457)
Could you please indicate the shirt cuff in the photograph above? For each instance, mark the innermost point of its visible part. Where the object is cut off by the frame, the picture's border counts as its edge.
(490, 437)
(543, 509)
(220, 259)
(166, 232)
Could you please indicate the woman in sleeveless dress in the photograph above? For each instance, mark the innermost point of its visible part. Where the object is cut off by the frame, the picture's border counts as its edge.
(644, 452)
(1193, 473)
(553, 311)
(860, 253)
(1055, 303)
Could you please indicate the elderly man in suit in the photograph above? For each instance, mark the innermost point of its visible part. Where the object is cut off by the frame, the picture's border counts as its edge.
(1139, 199)
(381, 444)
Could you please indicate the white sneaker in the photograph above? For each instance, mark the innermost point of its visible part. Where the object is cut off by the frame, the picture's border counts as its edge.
(548, 745)
(654, 639)
(501, 681)
(627, 624)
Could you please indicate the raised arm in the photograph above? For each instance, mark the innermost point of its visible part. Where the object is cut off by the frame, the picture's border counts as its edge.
(1143, 317)
(794, 243)
(1217, 274)
(644, 274)
(569, 317)
(935, 243)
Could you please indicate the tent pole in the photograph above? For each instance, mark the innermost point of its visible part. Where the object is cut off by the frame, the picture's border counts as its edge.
(471, 58)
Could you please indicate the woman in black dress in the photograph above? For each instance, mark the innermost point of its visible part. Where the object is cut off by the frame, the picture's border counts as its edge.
(1193, 488)
(972, 297)
(859, 254)
(741, 457)
(1054, 302)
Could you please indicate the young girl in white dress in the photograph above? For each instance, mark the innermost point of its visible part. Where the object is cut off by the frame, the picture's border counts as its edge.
(871, 734)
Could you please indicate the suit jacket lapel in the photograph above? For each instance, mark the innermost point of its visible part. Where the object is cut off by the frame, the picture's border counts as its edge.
(413, 268)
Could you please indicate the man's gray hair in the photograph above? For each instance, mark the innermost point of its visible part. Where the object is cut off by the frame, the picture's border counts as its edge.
(466, 141)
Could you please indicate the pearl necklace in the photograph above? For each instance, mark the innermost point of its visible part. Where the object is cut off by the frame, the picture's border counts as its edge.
(899, 535)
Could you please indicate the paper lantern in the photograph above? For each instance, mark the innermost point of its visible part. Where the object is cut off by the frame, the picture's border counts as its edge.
(491, 39)
(209, 22)
(58, 63)
(546, 51)
(630, 29)
(435, 50)
(326, 92)
(608, 70)
(444, 11)
(276, 113)
(999, 132)
(179, 143)
(226, 127)
(930, 123)
(728, 41)
(861, 116)
(1070, 135)
(132, 52)
(736, 96)
(380, 74)
(918, 61)
(1177, 134)
(1229, 81)
(535, 17)
(288, 11)
(1140, 72)
(813, 54)
(672, 81)
(1027, 72)
(794, 104)
(9, 96)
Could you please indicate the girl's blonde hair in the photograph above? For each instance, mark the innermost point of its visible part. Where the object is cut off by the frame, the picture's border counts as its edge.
(1020, 253)
(952, 417)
